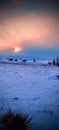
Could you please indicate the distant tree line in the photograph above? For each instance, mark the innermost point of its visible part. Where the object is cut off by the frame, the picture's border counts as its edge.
(56, 61)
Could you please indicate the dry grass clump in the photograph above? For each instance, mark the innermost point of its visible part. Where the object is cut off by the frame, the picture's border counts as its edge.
(15, 121)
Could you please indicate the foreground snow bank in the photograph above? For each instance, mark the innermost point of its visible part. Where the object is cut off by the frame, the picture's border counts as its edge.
(30, 90)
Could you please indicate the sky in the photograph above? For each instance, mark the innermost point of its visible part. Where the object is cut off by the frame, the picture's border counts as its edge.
(29, 26)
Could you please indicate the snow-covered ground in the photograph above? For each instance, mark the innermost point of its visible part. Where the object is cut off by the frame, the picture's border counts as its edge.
(25, 61)
(31, 89)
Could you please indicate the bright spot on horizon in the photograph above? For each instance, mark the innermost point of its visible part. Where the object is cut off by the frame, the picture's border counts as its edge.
(18, 49)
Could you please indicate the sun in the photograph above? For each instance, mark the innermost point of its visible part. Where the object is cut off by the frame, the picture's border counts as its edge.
(18, 49)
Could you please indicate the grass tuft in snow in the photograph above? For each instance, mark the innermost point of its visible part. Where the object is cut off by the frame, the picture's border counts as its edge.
(15, 121)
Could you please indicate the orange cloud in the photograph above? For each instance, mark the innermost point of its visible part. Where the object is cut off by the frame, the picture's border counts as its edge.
(39, 30)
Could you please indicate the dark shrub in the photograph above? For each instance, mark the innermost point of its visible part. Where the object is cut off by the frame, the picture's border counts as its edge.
(11, 59)
(24, 60)
(54, 62)
(49, 63)
(34, 60)
(57, 76)
(57, 61)
(15, 121)
(15, 59)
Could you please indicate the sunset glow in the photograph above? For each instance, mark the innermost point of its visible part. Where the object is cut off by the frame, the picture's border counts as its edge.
(17, 49)
(32, 28)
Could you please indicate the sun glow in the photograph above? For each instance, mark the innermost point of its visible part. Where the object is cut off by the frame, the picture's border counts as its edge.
(18, 49)
(31, 30)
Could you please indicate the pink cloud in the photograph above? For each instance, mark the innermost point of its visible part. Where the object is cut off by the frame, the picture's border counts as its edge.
(40, 30)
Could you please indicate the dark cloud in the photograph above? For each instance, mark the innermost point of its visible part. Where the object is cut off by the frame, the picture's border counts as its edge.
(21, 7)
(5, 2)
(32, 4)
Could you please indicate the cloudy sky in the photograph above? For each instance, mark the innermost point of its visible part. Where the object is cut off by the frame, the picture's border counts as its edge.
(28, 24)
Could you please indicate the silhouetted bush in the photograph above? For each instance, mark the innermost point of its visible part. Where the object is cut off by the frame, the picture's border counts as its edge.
(49, 63)
(56, 61)
(11, 59)
(15, 121)
(15, 59)
(34, 60)
(57, 76)
(24, 60)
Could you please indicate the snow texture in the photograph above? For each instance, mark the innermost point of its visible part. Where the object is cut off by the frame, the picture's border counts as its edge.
(32, 89)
